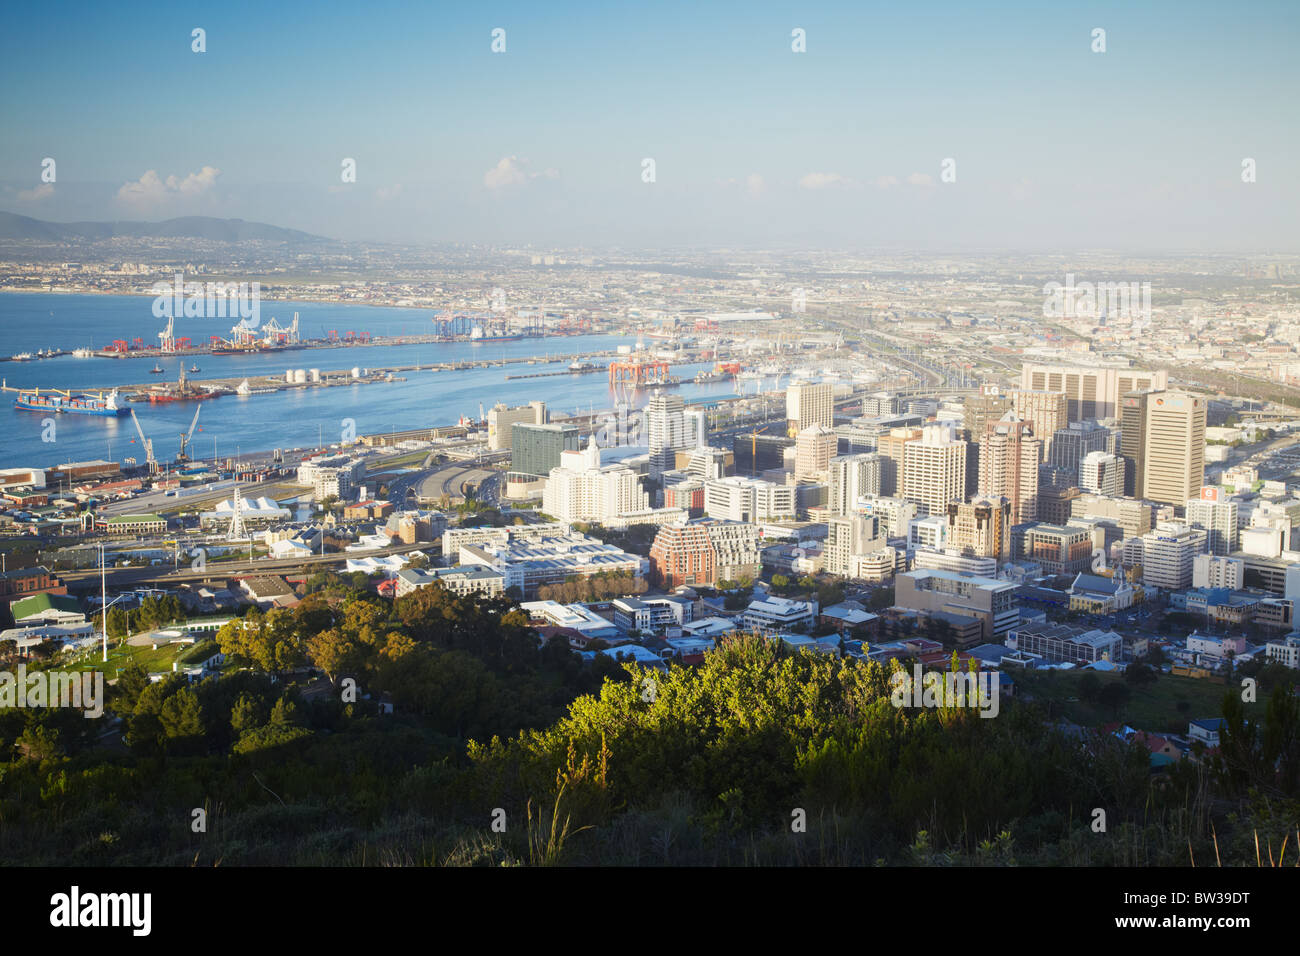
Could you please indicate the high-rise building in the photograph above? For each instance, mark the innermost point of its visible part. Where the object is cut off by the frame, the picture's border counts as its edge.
(1090, 392)
(535, 449)
(852, 477)
(1166, 554)
(847, 537)
(668, 428)
(1100, 473)
(808, 404)
(814, 448)
(1055, 502)
(893, 463)
(501, 419)
(988, 405)
(981, 527)
(1044, 411)
(934, 469)
(896, 514)
(1009, 456)
(1133, 442)
(1216, 513)
(1174, 469)
(1070, 444)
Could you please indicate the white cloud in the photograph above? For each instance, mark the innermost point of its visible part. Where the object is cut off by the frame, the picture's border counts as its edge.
(151, 189)
(513, 171)
(826, 181)
(385, 193)
(754, 183)
(885, 182)
(919, 179)
(43, 191)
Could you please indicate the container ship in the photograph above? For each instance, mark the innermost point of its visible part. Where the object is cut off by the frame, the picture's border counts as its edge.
(58, 401)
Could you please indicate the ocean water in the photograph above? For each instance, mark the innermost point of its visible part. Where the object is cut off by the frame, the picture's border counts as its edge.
(287, 419)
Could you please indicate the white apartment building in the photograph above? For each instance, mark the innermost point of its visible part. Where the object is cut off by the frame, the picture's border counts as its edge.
(934, 469)
(1218, 571)
(1216, 513)
(850, 477)
(581, 490)
(895, 514)
(748, 499)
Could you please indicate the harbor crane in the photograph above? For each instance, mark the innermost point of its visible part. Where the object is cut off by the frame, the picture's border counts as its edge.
(167, 343)
(187, 437)
(148, 445)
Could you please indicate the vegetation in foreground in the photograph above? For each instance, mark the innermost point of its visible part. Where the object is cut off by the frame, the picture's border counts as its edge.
(502, 752)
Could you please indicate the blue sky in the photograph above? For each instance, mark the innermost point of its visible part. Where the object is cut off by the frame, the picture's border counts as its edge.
(1056, 146)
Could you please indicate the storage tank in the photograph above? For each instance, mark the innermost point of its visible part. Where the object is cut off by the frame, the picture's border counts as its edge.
(314, 374)
(288, 376)
(300, 376)
(356, 372)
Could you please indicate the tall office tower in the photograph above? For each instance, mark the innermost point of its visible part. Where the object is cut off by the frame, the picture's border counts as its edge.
(808, 404)
(1044, 411)
(934, 469)
(892, 463)
(1174, 469)
(501, 419)
(1133, 442)
(1101, 473)
(536, 449)
(1009, 457)
(852, 477)
(972, 463)
(981, 527)
(667, 429)
(1216, 513)
(666, 423)
(1071, 443)
(1090, 392)
(814, 448)
(988, 405)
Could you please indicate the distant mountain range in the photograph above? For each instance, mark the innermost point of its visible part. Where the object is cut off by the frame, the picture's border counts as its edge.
(14, 226)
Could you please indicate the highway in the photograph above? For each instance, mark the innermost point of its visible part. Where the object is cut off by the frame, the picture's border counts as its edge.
(220, 572)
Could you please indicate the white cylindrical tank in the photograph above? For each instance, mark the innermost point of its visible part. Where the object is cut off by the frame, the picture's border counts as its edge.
(356, 372)
(300, 376)
(288, 376)
(315, 374)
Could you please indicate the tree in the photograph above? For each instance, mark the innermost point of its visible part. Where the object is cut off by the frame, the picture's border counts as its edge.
(1089, 687)
(1114, 696)
(1139, 675)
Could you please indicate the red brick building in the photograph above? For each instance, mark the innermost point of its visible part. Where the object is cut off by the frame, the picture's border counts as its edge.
(682, 554)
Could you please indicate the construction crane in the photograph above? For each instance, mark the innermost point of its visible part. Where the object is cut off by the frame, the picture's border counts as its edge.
(148, 445)
(183, 454)
(753, 448)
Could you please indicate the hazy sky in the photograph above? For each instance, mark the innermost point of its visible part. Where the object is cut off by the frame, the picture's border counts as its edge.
(1056, 146)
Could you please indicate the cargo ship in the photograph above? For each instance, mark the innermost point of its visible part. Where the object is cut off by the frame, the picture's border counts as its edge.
(59, 402)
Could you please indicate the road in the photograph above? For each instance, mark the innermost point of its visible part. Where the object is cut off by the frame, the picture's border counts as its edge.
(219, 572)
